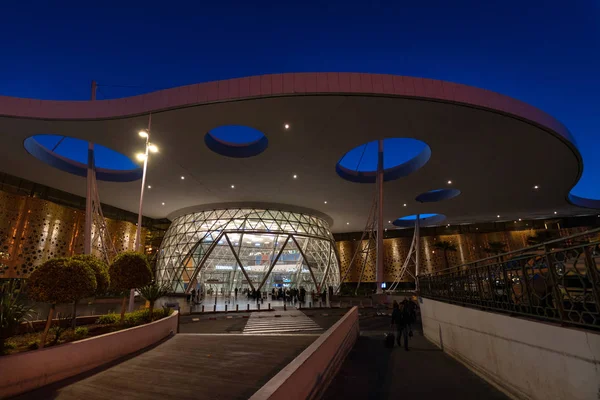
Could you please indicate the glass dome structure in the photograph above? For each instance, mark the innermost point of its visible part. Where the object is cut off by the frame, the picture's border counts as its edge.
(247, 248)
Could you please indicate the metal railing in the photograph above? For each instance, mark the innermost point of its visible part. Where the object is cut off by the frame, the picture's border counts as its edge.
(556, 281)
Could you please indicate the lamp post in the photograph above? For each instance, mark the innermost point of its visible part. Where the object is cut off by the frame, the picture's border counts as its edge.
(138, 233)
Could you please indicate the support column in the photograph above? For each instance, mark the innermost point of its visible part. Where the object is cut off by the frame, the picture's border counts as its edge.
(417, 250)
(87, 234)
(379, 269)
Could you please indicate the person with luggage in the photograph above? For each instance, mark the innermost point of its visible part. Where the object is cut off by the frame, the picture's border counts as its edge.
(401, 318)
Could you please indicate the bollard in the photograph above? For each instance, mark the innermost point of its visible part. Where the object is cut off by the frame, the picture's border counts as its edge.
(225, 307)
(248, 308)
(299, 306)
(202, 307)
(309, 304)
(284, 307)
(269, 304)
(320, 304)
(258, 306)
(262, 301)
(215, 300)
(215, 308)
(237, 307)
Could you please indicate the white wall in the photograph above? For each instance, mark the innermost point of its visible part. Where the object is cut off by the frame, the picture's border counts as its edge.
(527, 359)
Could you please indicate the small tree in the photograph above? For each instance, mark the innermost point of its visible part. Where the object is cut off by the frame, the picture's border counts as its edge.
(102, 278)
(60, 280)
(13, 310)
(445, 247)
(129, 270)
(100, 270)
(153, 292)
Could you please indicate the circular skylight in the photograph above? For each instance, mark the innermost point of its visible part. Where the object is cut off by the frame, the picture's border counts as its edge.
(71, 155)
(401, 157)
(236, 141)
(408, 221)
(437, 195)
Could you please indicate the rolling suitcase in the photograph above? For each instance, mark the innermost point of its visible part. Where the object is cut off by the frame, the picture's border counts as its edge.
(390, 338)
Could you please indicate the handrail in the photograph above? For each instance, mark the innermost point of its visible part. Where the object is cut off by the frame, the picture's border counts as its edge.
(524, 249)
(555, 283)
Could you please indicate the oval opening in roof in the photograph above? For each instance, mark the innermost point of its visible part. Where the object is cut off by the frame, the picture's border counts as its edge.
(408, 221)
(401, 157)
(236, 141)
(70, 154)
(437, 195)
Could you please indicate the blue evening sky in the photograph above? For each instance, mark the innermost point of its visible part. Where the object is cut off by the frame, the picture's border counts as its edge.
(546, 53)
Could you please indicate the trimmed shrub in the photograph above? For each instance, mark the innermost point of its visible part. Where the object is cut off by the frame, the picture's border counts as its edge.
(107, 319)
(129, 270)
(141, 317)
(100, 269)
(61, 280)
(33, 345)
(81, 332)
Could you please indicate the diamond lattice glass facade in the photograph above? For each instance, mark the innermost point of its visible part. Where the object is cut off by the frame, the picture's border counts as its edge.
(248, 248)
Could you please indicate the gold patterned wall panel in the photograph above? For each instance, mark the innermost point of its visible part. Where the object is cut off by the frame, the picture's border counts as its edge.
(469, 247)
(33, 230)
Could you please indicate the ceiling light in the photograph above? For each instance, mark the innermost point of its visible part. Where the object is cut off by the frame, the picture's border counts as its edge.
(153, 148)
(143, 134)
(163, 204)
(183, 177)
(149, 187)
(140, 156)
(404, 204)
(449, 182)
(519, 219)
(498, 216)
(325, 202)
(536, 187)
(433, 251)
(286, 126)
(554, 212)
(233, 186)
(295, 176)
(347, 223)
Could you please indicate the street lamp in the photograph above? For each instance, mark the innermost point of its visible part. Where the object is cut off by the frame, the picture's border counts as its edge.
(142, 157)
(150, 148)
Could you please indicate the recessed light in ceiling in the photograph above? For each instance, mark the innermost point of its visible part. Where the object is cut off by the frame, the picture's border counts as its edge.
(163, 204)
(325, 202)
(149, 187)
(233, 186)
(295, 176)
(536, 187)
(449, 182)
(347, 223)
(404, 204)
(286, 126)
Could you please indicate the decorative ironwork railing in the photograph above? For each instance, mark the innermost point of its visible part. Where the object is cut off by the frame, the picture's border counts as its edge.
(557, 281)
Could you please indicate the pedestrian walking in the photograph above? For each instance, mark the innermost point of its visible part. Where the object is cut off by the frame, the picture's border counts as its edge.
(400, 318)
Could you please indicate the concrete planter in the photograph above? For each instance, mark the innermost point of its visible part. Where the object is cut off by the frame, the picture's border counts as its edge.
(23, 372)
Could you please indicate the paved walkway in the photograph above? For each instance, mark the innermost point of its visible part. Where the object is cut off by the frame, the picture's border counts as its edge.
(187, 366)
(284, 322)
(281, 322)
(372, 371)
